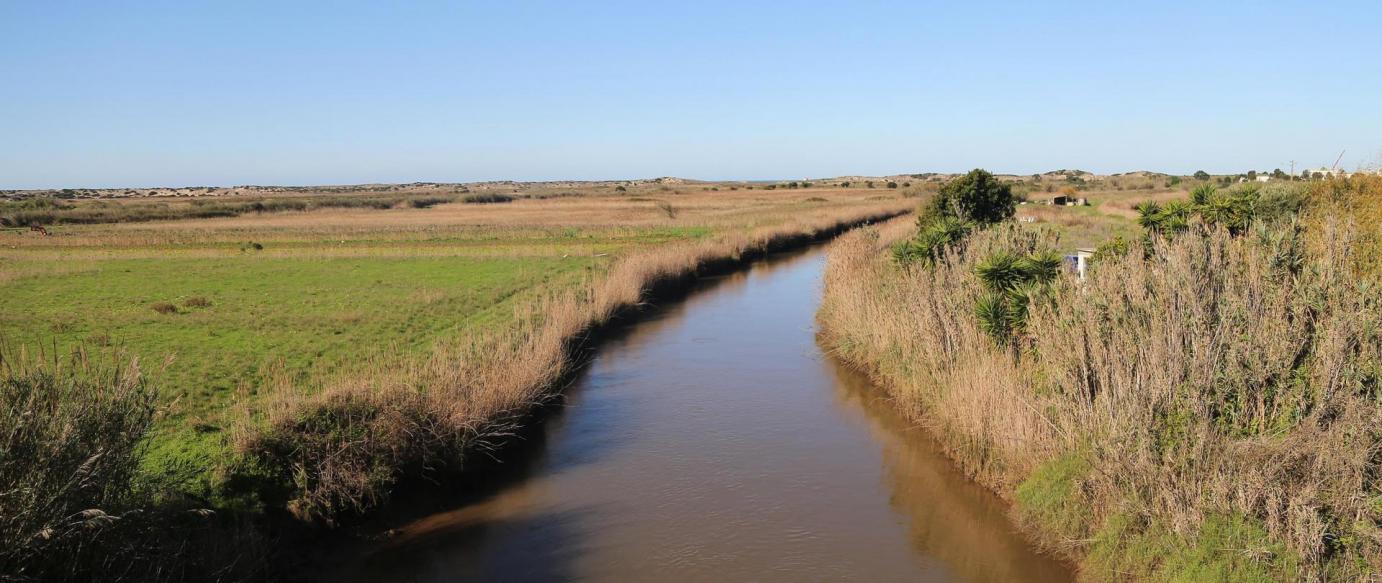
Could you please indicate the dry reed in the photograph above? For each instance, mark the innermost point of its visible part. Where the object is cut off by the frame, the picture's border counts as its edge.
(1219, 377)
(341, 450)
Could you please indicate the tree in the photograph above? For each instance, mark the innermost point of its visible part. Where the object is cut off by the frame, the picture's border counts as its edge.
(1201, 175)
(978, 197)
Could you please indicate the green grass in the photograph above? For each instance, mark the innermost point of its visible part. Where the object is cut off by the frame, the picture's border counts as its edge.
(1227, 549)
(1050, 497)
(299, 310)
(301, 318)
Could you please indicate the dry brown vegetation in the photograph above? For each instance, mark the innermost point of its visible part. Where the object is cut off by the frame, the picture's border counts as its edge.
(74, 504)
(332, 441)
(342, 448)
(1207, 412)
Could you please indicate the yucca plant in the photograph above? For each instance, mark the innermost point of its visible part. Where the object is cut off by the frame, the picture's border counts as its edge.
(994, 317)
(1042, 266)
(1202, 194)
(1012, 281)
(1149, 216)
(933, 240)
(1001, 271)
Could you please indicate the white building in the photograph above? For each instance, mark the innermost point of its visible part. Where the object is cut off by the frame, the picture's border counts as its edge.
(1079, 262)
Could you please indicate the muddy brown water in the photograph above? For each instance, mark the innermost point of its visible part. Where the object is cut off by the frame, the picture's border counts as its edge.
(714, 441)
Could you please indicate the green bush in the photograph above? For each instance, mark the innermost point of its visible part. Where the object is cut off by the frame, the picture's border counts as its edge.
(932, 241)
(977, 196)
(486, 198)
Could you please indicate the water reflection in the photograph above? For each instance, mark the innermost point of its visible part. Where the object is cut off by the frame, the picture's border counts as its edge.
(714, 441)
(952, 519)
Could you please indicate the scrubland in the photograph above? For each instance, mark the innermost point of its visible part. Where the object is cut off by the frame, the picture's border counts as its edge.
(1203, 407)
(309, 360)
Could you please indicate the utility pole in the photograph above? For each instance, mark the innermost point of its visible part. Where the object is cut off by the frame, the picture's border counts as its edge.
(1293, 168)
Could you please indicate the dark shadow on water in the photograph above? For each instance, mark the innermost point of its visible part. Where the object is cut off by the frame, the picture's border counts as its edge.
(435, 549)
(491, 475)
(620, 479)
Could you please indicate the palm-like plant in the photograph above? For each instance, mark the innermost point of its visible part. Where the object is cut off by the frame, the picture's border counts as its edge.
(994, 318)
(1202, 194)
(1011, 282)
(1149, 216)
(932, 241)
(1041, 267)
(1001, 271)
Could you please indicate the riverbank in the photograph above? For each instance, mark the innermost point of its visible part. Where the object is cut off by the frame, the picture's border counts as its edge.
(461, 399)
(710, 438)
(1201, 414)
(340, 450)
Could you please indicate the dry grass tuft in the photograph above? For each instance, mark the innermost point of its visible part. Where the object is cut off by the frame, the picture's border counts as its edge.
(73, 503)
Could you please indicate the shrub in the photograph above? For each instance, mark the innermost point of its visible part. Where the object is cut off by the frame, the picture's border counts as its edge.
(486, 198)
(73, 503)
(932, 241)
(977, 196)
(164, 308)
(428, 201)
(1012, 282)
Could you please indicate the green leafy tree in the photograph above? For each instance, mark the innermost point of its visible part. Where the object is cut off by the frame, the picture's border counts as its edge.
(1201, 175)
(978, 197)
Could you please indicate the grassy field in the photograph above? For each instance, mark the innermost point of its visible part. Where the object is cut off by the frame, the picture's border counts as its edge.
(223, 311)
(1110, 211)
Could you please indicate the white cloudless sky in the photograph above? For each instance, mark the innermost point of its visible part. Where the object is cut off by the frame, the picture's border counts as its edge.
(103, 94)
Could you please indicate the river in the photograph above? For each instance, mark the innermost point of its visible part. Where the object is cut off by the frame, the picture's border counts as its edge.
(713, 440)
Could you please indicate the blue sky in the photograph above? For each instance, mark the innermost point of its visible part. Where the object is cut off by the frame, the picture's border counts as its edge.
(216, 93)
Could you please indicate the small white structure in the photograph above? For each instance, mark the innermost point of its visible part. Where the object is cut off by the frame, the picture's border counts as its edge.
(1079, 262)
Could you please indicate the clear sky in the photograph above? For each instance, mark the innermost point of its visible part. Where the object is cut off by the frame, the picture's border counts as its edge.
(103, 93)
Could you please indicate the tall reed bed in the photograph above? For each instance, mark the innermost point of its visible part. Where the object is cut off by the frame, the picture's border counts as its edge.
(339, 451)
(1207, 411)
(73, 503)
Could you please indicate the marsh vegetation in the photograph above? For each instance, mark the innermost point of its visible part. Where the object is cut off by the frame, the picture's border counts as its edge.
(305, 362)
(1202, 406)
